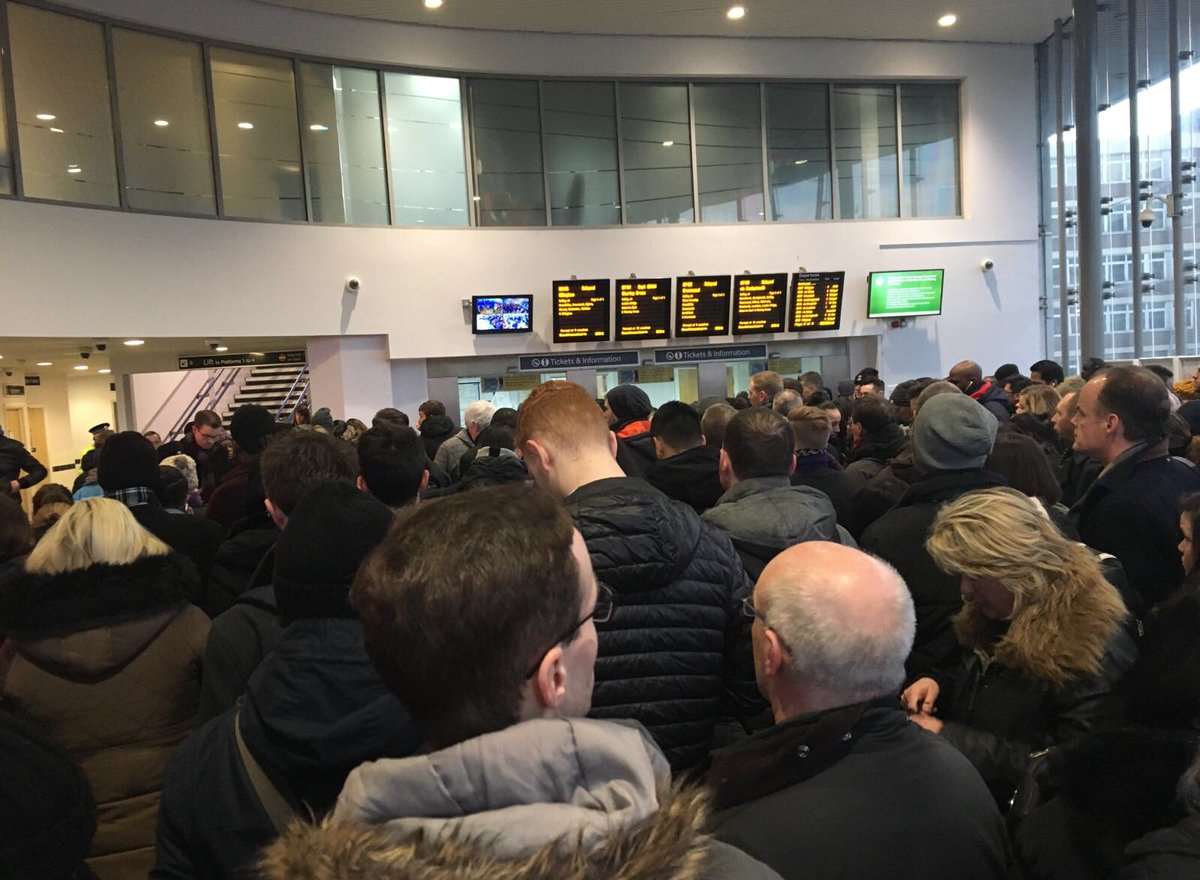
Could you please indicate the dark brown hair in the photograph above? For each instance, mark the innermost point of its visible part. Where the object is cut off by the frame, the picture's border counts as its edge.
(206, 418)
(297, 460)
(759, 443)
(453, 626)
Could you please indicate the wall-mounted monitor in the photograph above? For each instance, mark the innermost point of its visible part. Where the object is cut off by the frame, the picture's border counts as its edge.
(643, 308)
(702, 305)
(581, 310)
(501, 314)
(816, 301)
(907, 294)
(759, 303)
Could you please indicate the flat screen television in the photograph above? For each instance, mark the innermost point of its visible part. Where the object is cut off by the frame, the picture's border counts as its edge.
(906, 294)
(501, 314)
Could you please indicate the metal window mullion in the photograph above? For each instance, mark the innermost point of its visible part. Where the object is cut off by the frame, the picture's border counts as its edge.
(308, 211)
(620, 151)
(211, 107)
(542, 142)
(695, 161)
(768, 214)
(387, 144)
(834, 186)
(904, 211)
(1064, 307)
(10, 102)
(1135, 173)
(115, 118)
(1180, 335)
(464, 106)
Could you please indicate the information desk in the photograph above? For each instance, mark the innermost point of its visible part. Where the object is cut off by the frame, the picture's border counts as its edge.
(643, 308)
(581, 312)
(702, 305)
(759, 303)
(816, 301)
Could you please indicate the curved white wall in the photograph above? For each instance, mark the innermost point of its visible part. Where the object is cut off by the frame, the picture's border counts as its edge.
(74, 271)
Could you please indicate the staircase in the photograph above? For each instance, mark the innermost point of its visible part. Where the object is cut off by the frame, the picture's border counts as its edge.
(278, 388)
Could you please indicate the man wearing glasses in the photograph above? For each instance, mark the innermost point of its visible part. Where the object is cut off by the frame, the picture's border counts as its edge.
(200, 436)
(490, 641)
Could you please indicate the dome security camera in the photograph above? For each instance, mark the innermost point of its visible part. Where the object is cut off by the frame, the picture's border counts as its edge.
(987, 264)
(1146, 217)
(353, 284)
(85, 354)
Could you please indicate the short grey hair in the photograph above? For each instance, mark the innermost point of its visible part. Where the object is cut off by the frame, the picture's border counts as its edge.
(479, 413)
(829, 649)
(785, 401)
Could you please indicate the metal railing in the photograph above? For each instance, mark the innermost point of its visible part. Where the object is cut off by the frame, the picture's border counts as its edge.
(301, 382)
(210, 394)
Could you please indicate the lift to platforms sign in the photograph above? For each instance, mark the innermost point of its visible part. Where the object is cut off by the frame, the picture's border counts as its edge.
(249, 359)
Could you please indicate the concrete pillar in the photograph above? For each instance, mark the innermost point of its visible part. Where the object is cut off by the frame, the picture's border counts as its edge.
(1087, 164)
(410, 386)
(352, 375)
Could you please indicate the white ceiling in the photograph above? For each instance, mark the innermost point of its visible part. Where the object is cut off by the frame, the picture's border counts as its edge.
(1002, 21)
(23, 353)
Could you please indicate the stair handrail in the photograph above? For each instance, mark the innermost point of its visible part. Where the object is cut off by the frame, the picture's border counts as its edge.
(224, 377)
(303, 374)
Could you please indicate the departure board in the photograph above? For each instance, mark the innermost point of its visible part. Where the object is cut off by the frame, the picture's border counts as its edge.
(702, 305)
(643, 308)
(759, 303)
(816, 301)
(581, 310)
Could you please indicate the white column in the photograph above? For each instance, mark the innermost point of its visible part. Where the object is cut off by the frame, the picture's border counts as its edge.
(352, 375)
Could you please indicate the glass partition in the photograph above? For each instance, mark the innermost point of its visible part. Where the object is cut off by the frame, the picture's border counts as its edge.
(7, 183)
(729, 152)
(656, 143)
(258, 136)
(64, 110)
(929, 132)
(581, 153)
(865, 138)
(798, 151)
(164, 123)
(506, 126)
(425, 150)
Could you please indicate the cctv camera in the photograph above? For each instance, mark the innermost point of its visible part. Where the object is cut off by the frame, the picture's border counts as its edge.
(214, 344)
(1146, 218)
(85, 354)
(987, 264)
(101, 346)
(352, 284)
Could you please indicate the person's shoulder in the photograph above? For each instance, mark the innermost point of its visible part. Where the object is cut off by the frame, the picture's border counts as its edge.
(725, 862)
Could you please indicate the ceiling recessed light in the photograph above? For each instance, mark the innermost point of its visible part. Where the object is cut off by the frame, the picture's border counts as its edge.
(800, 162)
(221, 348)
(668, 143)
(135, 342)
(736, 12)
(47, 117)
(45, 363)
(56, 130)
(318, 127)
(433, 4)
(74, 169)
(80, 367)
(105, 371)
(948, 20)
(245, 126)
(161, 123)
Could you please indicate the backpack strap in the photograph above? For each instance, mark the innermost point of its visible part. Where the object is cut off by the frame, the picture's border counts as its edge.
(277, 808)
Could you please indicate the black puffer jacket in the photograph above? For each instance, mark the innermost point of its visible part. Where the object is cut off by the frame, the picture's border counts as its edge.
(1170, 854)
(663, 655)
(14, 458)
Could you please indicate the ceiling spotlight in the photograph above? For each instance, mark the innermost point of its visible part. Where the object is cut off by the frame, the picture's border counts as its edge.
(948, 20)
(668, 143)
(318, 127)
(245, 126)
(736, 12)
(800, 162)
(220, 348)
(56, 130)
(433, 4)
(45, 363)
(105, 371)
(80, 367)
(161, 123)
(47, 117)
(74, 169)
(132, 343)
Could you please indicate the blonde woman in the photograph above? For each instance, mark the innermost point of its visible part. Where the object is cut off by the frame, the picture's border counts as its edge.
(1043, 636)
(1038, 400)
(102, 652)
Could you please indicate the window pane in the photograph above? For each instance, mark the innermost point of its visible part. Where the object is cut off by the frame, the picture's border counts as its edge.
(343, 144)
(508, 152)
(729, 153)
(798, 151)
(429, 169)
(657, 146)
(164, 124)
(258, 136)
(929, 114)
(865, 121)
(6, 160)
(64, 116)
(581, 153)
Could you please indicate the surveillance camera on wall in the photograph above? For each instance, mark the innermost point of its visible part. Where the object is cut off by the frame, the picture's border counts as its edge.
(85, 354)
(352, 284)
(213, 344)
(101, 346)
(987, 264)
(1146, 218)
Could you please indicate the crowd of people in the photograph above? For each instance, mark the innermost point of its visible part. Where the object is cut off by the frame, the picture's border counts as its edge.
(950, 632)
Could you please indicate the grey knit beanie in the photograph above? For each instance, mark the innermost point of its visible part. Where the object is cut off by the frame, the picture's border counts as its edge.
(953, 433)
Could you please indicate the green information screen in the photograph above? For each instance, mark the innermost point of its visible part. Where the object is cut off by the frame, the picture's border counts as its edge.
(905, 294)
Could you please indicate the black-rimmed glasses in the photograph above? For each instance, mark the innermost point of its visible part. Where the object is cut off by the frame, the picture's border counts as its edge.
(751, 613)
(601, 613)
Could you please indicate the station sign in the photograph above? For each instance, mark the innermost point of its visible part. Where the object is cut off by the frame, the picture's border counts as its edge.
(248, 359)
(583, 360)
(711, 353)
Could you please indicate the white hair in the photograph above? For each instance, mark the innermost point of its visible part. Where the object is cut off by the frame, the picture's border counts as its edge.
(829, 649)
(186, 465)
(479, 413)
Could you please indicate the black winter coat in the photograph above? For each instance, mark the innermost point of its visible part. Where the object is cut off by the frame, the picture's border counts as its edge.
(995, 400)
(14, 458)
(1170, 854)
(818, 801)
(1076, 473)
(678, 581)
(690, 477)
(820, 471)
(314, 710)
(899, 536)
(239, 564)
(876, 451)
(193, 537)
(1132, 512)
(238, 641)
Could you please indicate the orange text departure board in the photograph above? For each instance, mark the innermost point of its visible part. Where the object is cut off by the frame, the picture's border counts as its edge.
(816, 301)
(702, 305)
(643, 308)
(581, 312)
(759, 303)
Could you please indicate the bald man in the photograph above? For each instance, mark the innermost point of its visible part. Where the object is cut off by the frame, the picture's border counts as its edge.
(967, 376)
(844, 785)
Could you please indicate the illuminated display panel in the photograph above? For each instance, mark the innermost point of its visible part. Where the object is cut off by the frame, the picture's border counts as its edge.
(702, 305)
(643, 308)
(759, 303)
(816, 301)
(581, 312)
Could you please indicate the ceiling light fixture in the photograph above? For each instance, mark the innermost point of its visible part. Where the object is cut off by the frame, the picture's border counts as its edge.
(221, 348)
(132, 343)
(736, 13)
(668, 143)
(161, 123)
(80, 367)
(56, 130)
(433, 4)
(800, 162)
(948, 20)
(45, 363)
(318, 127)
(245, 126)
(74, 169)
(47, 117)
(105, 371)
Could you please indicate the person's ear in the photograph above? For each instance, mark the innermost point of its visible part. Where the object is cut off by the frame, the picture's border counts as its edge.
(612, 445)
(277, 516)
(773, 656)
(424, 481)
(792, 464)
(361, 484)
(660, 451)
(537, 455)
(550, 682)
(725, 469)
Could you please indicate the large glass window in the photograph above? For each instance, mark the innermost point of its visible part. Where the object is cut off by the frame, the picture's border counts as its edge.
(929, 129)
(425, 143)
(258, 136)
(581, 153)
(865, 138)
(64, 112)
(164, 123)
(729, 152)
(343, 144)
(798, 151)
(508, 152)
(6, 159)
(656, 144)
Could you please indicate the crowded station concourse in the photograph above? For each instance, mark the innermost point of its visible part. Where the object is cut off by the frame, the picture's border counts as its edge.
(593, 441)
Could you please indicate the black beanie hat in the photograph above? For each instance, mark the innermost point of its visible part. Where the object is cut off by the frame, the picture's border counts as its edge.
(127, 460)
(250, 427)
(629, 402)
(328, 535)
